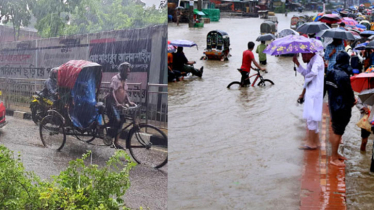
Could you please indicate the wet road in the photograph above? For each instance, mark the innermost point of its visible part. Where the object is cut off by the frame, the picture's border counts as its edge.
(148, 186)
(237, 149)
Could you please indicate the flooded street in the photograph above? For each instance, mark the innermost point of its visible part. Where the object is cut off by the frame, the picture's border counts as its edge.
(237, 149)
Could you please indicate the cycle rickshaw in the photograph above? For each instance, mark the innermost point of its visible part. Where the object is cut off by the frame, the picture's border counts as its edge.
(218, 46)
(78, 113)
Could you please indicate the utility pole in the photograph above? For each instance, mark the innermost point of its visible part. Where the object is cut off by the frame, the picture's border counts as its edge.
(190, 17)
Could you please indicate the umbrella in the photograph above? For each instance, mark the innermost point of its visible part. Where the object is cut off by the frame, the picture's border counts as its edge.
(292, 44)
(356, 37)
(266, 37)
(370, 45)
(183, 43)
(352, 8)
(330, 18)
(354, 33)
(367, 33)
(359, 18)
(361, 46)
(171, 48)
(349, 21)
(362, 82)
(286, 32)
(371, 37)
(312, 27)
(336, 34)
(179, 7)
(361, 26)
(367, 97)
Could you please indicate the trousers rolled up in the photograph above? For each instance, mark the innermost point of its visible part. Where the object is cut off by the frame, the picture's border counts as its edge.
(188, 68)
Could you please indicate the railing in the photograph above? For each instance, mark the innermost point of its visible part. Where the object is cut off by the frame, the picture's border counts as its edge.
(16, 93)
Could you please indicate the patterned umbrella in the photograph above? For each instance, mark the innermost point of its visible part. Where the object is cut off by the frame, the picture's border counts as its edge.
(293, 44)
(349, 21)
(330, 18)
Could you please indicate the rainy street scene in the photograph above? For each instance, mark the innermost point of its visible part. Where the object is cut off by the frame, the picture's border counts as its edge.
(83, 104)
(270, 105)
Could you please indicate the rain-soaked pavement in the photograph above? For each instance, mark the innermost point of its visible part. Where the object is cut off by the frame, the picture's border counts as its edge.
(148, 185)
(237, 149)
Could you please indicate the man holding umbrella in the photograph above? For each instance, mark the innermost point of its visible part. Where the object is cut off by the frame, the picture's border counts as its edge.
(312, 95)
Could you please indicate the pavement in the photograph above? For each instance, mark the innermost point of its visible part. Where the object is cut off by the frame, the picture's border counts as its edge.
(148, 185)
(322, 184)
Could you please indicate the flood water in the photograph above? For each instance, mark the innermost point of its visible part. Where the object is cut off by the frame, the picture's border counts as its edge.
(237, 149)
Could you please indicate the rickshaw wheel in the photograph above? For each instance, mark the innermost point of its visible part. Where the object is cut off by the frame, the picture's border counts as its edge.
(91, 135)
(52, 132)
(148, 145)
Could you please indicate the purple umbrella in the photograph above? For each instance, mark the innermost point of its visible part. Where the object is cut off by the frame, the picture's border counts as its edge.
(183, 43)
(293, 44)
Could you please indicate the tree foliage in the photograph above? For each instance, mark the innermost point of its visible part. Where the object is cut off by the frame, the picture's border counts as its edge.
(18, 12)
(77, 187)
(89, 16)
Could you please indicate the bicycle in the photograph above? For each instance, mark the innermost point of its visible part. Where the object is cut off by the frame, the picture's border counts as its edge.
(147, 144)
(263, 82)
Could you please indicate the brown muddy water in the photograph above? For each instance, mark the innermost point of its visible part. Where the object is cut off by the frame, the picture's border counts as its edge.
(237, 149)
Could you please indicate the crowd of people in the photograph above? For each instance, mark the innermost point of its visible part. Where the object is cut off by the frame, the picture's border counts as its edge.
(329, 71)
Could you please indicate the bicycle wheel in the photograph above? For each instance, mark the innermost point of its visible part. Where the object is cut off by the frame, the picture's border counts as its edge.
(234, 85)
(37, 113)
(52, 132)
(148, 145)
(265, 82)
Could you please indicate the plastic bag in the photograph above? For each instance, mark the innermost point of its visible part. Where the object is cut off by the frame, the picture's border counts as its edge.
(364, 123)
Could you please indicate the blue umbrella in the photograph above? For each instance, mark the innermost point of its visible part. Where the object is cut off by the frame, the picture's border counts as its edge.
(183, 43)
(352, 8)
(367, 33)
(361, 46)
(361, 26)
(171, 49)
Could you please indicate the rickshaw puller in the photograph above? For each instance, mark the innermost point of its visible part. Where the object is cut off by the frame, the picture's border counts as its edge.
(117, 98)
(50, 85)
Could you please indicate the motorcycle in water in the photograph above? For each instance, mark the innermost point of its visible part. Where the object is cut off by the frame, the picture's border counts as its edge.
(39, 106)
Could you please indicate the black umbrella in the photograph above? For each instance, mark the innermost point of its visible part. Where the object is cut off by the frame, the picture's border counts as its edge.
(266, 37)
(336, 34)
(370, 45)
(312, 27)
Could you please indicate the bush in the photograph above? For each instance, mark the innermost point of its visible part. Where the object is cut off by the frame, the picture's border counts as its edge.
(77, 187)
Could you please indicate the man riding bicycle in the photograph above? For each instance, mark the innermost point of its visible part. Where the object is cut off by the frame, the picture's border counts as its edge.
(248, 57)
(118, 98)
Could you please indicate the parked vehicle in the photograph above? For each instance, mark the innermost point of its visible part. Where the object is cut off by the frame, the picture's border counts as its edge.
(217, 45)
(268, 27)
(39, 107)
(3, 121)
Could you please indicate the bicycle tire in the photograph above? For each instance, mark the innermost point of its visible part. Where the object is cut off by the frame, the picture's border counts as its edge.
(264, 82)
(87, 139)
(49, 126)
(148, 145)
(235, 84)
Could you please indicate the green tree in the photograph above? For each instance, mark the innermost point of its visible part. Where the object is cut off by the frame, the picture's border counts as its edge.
(53, 15)
(18, 12)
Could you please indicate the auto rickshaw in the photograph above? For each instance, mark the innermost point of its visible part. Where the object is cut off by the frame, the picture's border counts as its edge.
(268, 27)
(294, 21)
(218, 46)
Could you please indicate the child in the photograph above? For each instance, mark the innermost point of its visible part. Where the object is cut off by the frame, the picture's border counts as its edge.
(261, 55)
